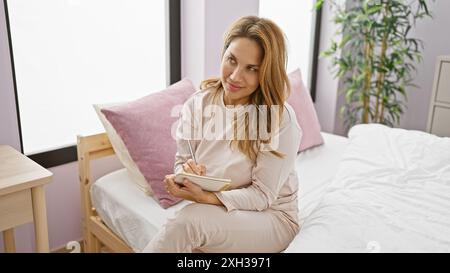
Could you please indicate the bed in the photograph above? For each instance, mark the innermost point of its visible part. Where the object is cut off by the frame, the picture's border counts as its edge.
(355, 196)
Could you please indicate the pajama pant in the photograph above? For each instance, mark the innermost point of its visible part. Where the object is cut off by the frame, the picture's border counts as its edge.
(209, 228)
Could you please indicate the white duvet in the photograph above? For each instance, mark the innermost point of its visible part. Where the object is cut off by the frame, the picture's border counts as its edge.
(391, 193)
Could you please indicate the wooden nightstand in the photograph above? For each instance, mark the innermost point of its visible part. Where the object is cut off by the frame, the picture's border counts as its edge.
(22, 197)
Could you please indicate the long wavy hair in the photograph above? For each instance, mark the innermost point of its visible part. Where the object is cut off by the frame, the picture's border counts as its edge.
(274, 85)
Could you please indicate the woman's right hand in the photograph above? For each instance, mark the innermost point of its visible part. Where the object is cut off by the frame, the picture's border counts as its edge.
(191, 167)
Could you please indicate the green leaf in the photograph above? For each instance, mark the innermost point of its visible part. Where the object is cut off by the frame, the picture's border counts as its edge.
(374, 9)
(319, 4)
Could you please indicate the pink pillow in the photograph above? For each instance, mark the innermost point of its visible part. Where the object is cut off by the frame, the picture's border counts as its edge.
(145, 128)
(301, 101)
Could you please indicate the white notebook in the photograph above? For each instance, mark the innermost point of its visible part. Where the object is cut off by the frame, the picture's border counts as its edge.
(207, 183)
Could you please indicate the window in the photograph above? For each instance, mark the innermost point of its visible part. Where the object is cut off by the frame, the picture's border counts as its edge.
(301, 25)
(70, 54)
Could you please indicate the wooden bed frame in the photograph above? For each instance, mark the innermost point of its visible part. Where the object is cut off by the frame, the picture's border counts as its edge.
(95, 233)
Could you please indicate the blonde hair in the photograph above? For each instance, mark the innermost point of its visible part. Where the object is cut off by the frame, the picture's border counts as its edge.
(273, 80)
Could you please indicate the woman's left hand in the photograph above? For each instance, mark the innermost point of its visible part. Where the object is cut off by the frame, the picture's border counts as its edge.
(188, 190)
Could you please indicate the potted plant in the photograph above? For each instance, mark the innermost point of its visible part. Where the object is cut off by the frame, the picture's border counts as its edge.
(375, 57)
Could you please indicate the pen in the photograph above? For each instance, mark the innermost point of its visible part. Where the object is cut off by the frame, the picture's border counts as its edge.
(192, 152)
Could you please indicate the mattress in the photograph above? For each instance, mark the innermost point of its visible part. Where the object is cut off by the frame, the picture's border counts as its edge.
(136, 217)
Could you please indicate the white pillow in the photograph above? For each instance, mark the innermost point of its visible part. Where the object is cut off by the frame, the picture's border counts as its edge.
(121, 151)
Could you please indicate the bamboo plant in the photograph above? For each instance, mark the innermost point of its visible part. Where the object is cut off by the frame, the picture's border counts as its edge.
(375, 57)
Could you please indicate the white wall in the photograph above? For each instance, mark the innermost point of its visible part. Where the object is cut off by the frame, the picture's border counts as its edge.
(436, 36)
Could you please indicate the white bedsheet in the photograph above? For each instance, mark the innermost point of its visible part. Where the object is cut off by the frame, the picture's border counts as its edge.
(391, 193)
(316, 168)
(136, 217)
(128, 211)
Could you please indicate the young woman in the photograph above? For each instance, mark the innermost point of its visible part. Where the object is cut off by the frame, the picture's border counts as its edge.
(259, 212)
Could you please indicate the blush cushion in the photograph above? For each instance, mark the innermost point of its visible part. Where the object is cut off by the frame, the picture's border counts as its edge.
(300, 100)
(145, 126)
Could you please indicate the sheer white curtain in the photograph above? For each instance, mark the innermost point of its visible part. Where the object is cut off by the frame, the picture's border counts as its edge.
(295, 19)
(70, 54)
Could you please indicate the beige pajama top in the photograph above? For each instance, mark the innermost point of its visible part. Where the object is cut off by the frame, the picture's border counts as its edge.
(270, 184)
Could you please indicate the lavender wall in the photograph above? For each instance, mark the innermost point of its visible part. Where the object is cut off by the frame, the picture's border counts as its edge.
(193, 40)
(203, 24)
(9, 129)
(219, 16)
(9, 133)
(63, 200)
(435, 34)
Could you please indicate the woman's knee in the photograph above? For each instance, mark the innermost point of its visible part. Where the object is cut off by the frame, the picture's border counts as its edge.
(187, 215)
(193, 215)
(189, 224)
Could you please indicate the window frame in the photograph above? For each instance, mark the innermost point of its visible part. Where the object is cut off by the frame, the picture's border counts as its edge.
(68, 154)
(314, 62)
